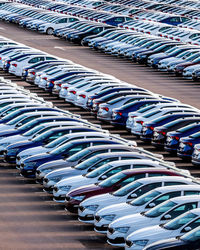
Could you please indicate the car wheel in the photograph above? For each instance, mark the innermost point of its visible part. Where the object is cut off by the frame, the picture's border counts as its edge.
(49, 31)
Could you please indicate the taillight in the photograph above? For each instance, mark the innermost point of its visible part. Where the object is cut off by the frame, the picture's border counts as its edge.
(73, 92)
(175, 137)
(82, 95)
(140, 122)
(162, 132)
(150, 127)
(44, 78)
(33, 73)
(52, 82)
(14, 64)
(105, 108)
(119, 113)
(59, 84)
(65, 87)
(188, 143)
(133, 116)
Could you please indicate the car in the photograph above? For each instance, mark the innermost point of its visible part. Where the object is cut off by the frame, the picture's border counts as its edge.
(161, 214)
(29, 165)
(125, 194)
(174, 228)
(173, 138)
(148, 127)
(186, 145)
(117, 237)
(188, 241)
(159, 135)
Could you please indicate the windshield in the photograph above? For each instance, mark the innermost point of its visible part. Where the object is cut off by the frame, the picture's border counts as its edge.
(61, 149)
(145, 198)
(180, 221)
(33, 130)
(78, 155)
(86, 164)
(194, 235)
(98, 171)
(15, 120)
(127, 189)
(160, 209)
(112, 180)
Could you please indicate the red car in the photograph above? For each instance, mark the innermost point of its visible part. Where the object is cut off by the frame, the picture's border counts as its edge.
(111, 184)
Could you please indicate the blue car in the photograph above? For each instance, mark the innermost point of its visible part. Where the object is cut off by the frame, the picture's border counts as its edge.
(186, 145)
(148, 127)
(110, 90)
(120, 115)
(173, 138)
(19, 112)
(44, 136)
(30, 164)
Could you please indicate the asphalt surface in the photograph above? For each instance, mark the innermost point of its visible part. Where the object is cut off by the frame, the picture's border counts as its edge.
(29, 219)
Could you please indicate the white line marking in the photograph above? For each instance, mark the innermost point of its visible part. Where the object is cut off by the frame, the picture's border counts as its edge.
(61, 48)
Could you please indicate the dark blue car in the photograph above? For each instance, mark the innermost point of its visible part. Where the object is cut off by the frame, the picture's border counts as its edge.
(173, 138)
(186, 145)
(120, 115)
(30, 164)
(148, 127)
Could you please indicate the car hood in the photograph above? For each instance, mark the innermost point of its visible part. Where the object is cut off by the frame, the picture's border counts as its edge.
(97, 199)
(117, 208)
(87, 189)
(19, 144)
(66, 172)
(152, 233)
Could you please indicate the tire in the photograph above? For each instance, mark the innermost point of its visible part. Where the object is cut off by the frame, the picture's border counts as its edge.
(49, 31)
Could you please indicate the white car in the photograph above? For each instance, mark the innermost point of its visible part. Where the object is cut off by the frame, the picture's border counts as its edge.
(174, 228)
(187, 72)
(17, 66)
(161, 214)
(62, 22)
(124, 194)
(99, 174)
(139, 205)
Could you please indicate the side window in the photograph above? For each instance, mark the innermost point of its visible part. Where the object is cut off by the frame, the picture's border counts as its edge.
(121, 150)
(193, 225)
(119, 19)
(62, 20)
(146, 188)
(50, 58)
(181, 209)
(164, 197)
(128, 158)
(72, 19)
(191, 193)
(115, 171)
(36, 59)
(172, 183)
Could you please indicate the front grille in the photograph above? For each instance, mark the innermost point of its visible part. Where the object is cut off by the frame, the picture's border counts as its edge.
(129, 243)
(110, 230)
(97, 218)
(118, 240)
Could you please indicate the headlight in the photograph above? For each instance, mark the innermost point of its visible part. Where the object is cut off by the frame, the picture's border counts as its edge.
(30, 164)
(78, 197)
(122, 229)
(140, 242)
(109, 217)
(65, 188)
(92, 207)
(76, 36)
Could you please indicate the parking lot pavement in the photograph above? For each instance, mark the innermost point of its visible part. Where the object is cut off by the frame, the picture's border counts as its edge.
(162, 83)
(29, 219)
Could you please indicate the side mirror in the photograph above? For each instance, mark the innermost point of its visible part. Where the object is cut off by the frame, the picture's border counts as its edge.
(187, 229)
(167, 217)
(134, 195)
(152, 205)
(103, 177)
